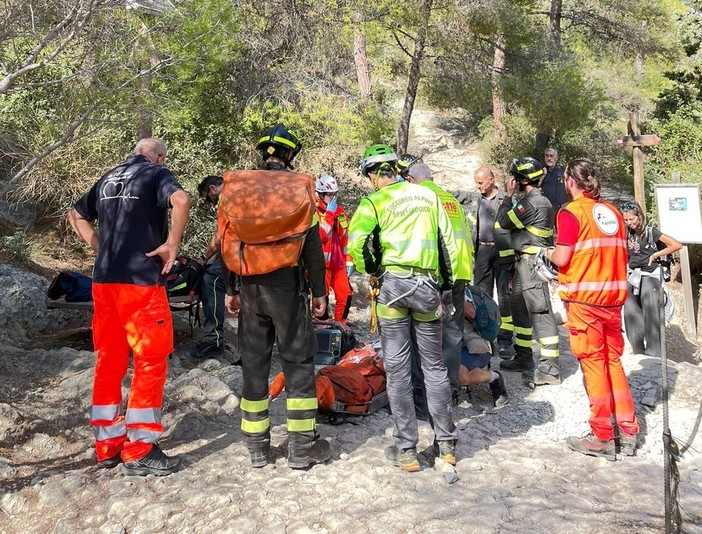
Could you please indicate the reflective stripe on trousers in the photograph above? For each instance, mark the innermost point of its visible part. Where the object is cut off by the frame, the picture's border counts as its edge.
(129, 319)
(532, 308)
(596, 341)
(278, 315)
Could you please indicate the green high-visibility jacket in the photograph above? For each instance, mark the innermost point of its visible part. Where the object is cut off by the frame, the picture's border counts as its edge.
(460, 230)
(403, 225)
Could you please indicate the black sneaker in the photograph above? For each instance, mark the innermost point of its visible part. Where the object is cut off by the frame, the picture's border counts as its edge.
(203, 350)
(499, 391)
(156, 463)
(110, 463)
(316, 453)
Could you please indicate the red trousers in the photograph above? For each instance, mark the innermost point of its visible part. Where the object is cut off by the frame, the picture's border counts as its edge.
(338, 281)
(137, 320)
(596, 341)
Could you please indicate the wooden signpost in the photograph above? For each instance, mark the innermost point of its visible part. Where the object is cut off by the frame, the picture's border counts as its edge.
(635, 140)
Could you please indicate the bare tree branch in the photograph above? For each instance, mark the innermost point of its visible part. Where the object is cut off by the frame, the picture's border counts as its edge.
(70, 133)
(76, 19)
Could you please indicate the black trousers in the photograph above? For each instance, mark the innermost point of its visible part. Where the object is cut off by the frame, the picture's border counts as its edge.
(532, 307)
(213, 304)
(282, 316)
(641, 320)
(491, 270)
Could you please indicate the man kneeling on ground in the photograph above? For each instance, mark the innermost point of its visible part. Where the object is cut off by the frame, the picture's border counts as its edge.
(475, 359)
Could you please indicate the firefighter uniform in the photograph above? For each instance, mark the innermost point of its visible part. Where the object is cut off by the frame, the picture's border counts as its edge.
(595, 290)
(494, 260)
(402, 234)
(531, 222)
(275, 309)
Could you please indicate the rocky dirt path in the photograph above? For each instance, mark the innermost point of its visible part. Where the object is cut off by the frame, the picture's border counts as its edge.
(514, 472)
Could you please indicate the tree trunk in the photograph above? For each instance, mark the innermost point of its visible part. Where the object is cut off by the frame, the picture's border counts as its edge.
(145, 113)
(413, 79)
(555, 23)
(498, 104)
(360, 59)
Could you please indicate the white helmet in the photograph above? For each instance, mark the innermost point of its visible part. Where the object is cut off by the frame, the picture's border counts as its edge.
(542, 268)
(326, 184)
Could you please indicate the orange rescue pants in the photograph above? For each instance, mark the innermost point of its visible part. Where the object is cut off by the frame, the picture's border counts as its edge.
(338, 281)
(596, 341)
(137, 319)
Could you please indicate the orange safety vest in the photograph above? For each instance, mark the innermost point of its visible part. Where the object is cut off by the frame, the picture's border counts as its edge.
(597, 270)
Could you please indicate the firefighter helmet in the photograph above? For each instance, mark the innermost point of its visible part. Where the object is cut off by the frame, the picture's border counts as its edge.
(528, 169)
(542, 268)
(279, 142)
(405, 162)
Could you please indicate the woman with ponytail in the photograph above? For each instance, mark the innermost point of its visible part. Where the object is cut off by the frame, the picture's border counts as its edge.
(591, 256)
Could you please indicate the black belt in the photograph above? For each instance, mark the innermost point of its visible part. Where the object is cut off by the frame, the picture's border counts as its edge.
(486, 243)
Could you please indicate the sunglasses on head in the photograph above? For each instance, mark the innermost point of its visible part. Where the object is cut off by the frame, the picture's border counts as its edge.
(628, 206)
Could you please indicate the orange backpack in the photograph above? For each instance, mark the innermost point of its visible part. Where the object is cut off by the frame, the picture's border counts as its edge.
(263, 219)
(347, 387)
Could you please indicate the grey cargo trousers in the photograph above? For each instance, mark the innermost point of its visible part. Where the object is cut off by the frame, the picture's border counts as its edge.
(411, 319)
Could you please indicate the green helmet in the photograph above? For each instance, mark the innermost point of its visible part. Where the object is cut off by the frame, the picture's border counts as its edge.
(405, 162)
(378, 157)
(279, 142)
(527, 169)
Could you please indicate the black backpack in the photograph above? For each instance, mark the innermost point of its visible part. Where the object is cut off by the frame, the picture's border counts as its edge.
(185, 280)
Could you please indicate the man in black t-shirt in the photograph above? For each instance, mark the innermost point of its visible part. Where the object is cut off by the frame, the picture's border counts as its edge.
(134, 251)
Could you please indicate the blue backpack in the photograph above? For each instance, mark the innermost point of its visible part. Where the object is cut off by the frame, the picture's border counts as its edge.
(487, 320)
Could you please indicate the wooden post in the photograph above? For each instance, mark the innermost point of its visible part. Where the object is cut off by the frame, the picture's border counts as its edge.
(635, 140)
(687, 280)
(639, 186)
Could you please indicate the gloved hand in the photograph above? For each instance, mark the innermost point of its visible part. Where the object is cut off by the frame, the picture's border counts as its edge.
(349, 270)
(332, 205)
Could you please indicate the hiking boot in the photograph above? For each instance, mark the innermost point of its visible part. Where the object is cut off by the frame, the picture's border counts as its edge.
(316, 453)
(406, 460)
(518, 363)
(593, 446)
(499, 391)
(627, 444)
(447, 452)
(259, 458)
(540, 378)
(505, 351)
(204, 350)
(110, 463)
(156, 463)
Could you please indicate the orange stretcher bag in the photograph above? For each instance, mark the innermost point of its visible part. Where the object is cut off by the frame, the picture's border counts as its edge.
(263, 219)
(356, 385)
